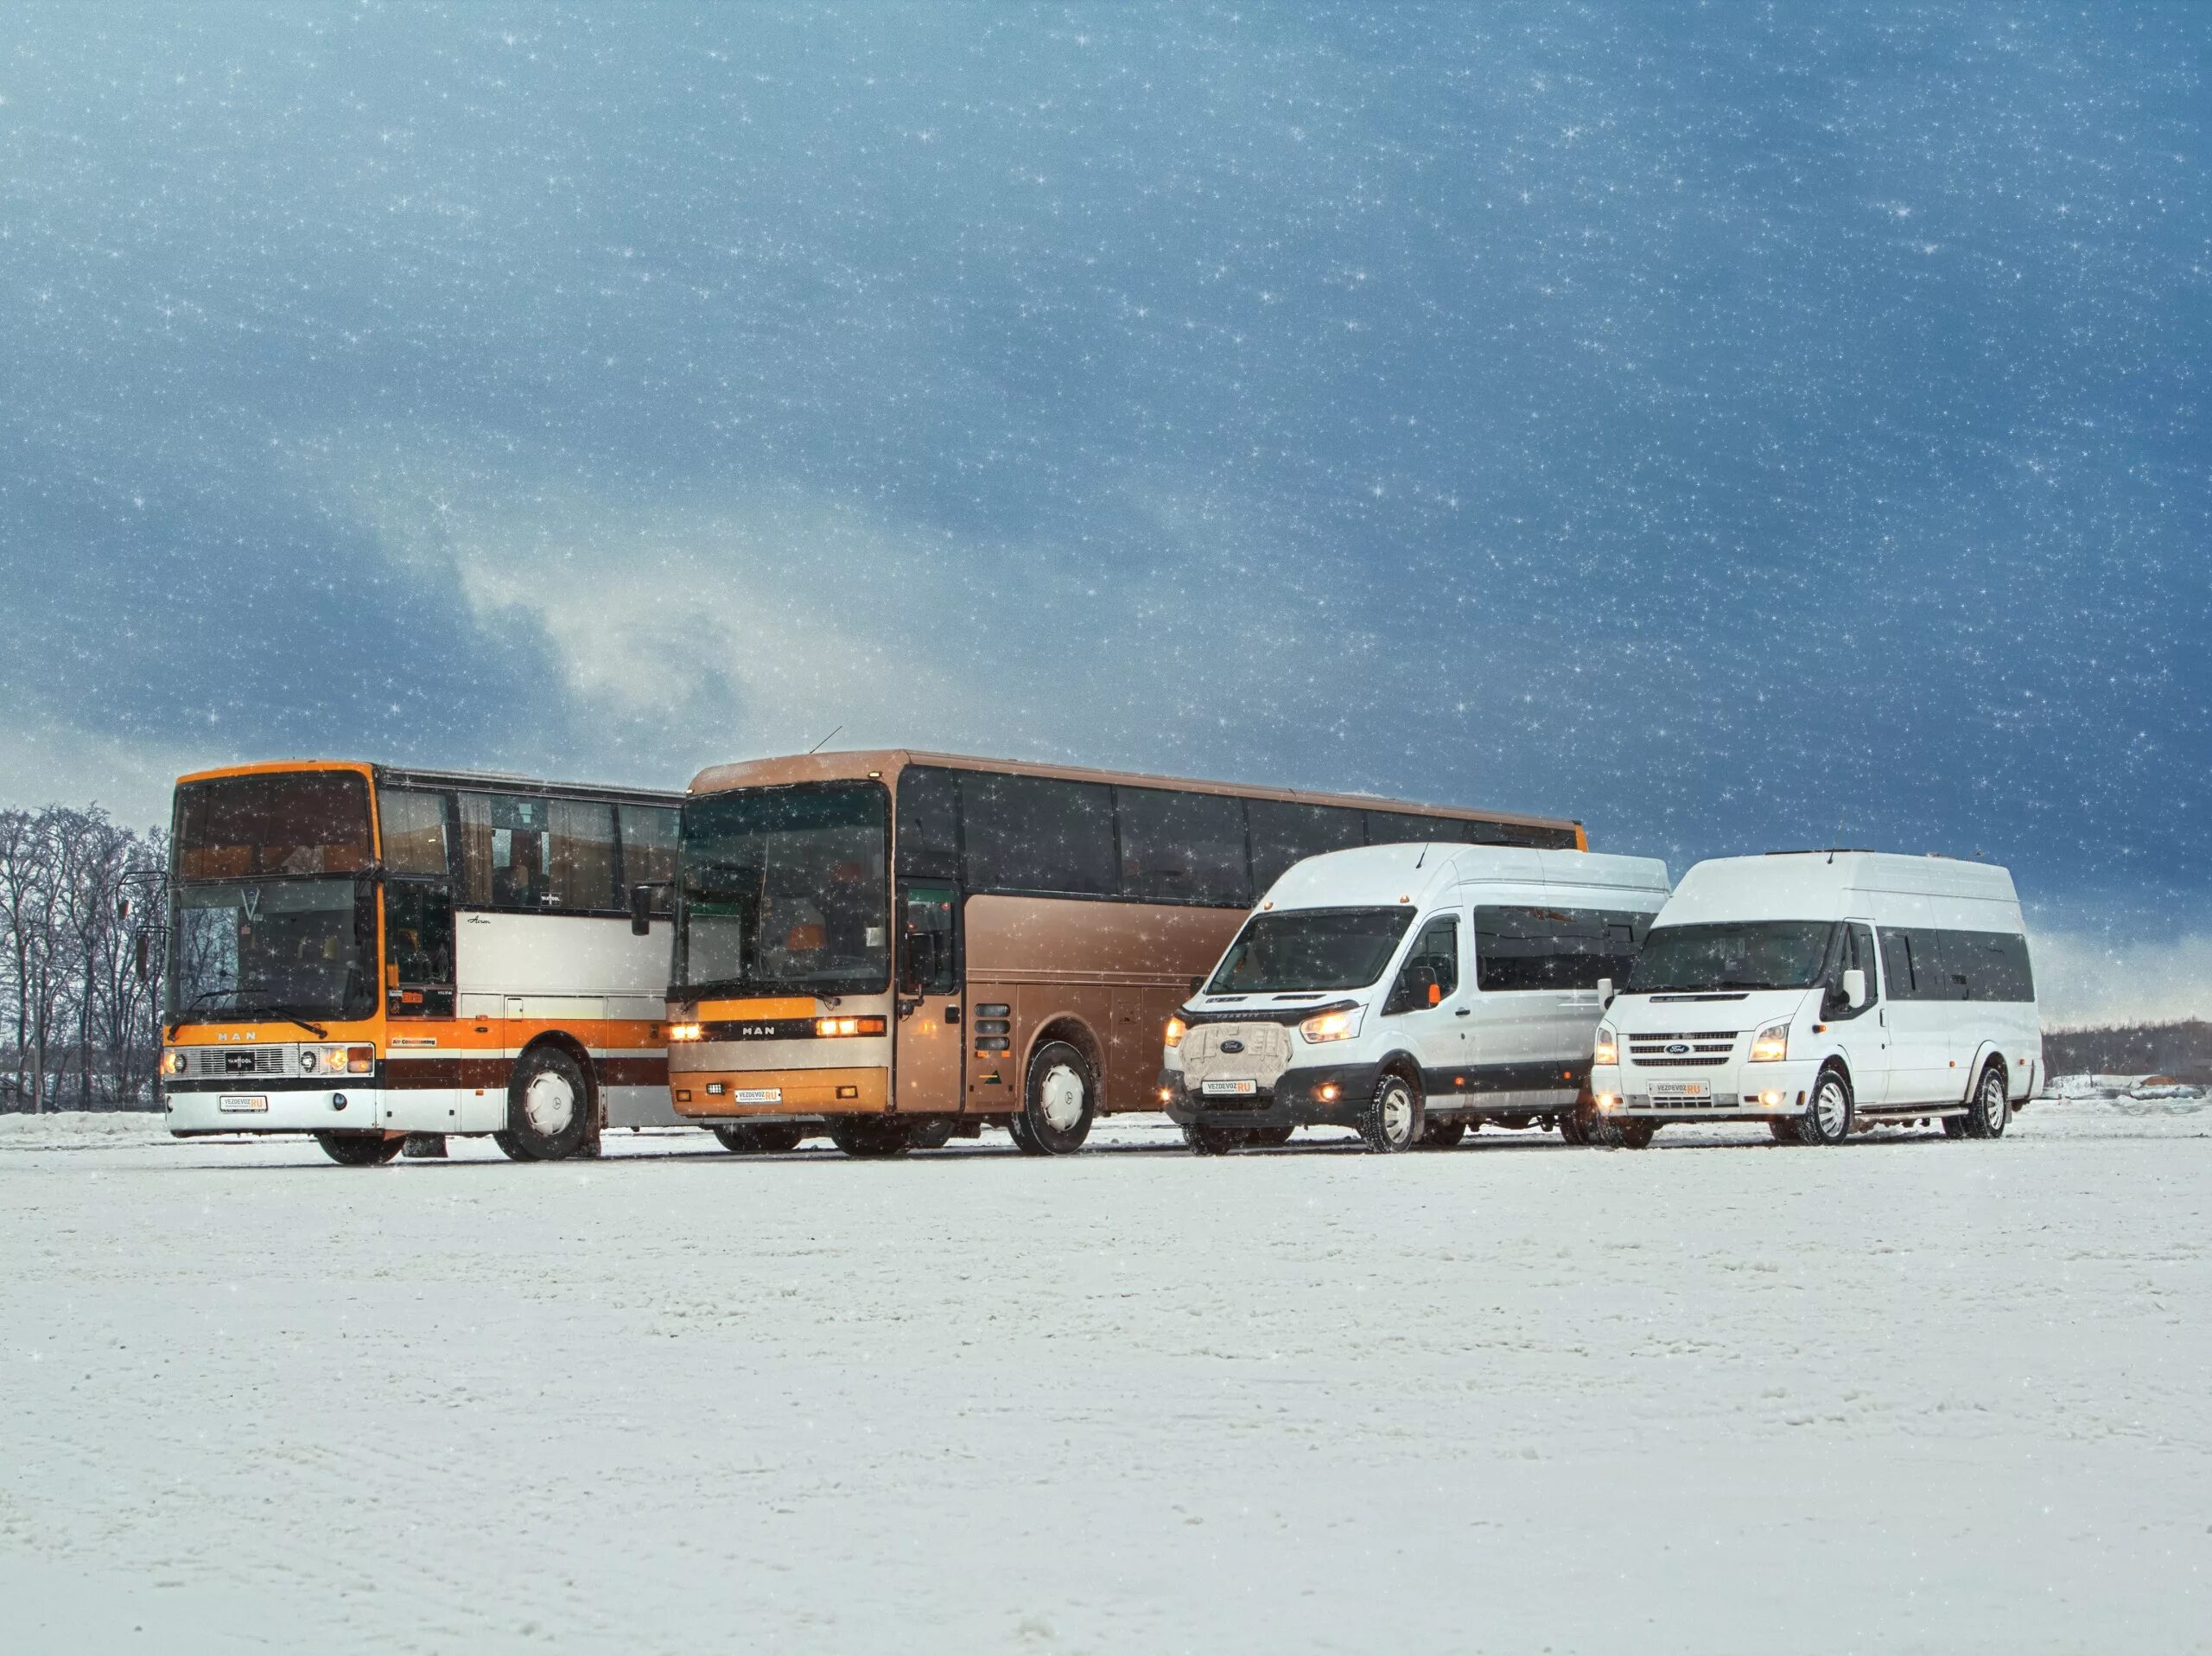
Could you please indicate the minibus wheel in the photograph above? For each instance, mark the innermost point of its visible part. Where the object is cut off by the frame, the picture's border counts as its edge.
(1391, 1121)
(1443, 1135)
(360, 1149)
(760, 1137)
(1058, 1104)
(1826, 1120)
(548, 1108)
(1215, 1141)
(1990, 1109)
(1574, 1124)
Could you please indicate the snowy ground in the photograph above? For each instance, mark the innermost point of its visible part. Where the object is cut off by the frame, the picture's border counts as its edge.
(1719, 1396)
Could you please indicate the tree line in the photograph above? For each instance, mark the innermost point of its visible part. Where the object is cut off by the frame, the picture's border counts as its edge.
(78, 890)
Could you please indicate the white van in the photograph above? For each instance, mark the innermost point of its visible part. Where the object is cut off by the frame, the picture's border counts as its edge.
(1821, 991)
(1409, 991)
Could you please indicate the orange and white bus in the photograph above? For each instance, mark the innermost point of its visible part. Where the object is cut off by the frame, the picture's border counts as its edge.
(363, 952)
(912, 945)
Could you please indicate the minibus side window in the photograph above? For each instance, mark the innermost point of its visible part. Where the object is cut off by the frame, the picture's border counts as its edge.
(1897, 961)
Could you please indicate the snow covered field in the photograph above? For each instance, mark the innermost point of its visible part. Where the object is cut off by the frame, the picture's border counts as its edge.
(1718, 1396)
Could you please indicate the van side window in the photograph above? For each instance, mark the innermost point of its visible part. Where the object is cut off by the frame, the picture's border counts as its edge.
(1897, 963)
(1853, 950)
(1434, 960)
(1555, 948)
(1986, 966)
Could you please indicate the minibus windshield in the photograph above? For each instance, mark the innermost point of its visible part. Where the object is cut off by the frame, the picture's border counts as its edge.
(1733, 955)
(1298, 949)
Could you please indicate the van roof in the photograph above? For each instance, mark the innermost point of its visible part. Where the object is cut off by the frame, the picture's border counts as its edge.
(1380, 876)
(1824, 885)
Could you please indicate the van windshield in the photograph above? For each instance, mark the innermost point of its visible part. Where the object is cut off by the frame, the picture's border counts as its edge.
(1735, 955)
(1310, 948)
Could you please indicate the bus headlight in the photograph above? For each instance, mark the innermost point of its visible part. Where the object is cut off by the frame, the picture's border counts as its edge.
(1341, 1025)
(310, 1061)
(1772, 1044)
(359, 1060)
(1176, 1030)
(684, 1032)
(1608, 1049)
(173, 1062)
(842, 1027)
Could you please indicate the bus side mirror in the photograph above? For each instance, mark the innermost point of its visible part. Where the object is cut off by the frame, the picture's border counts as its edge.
(1604, 991)
(641, 911)
(142, 948)
(1854, 988)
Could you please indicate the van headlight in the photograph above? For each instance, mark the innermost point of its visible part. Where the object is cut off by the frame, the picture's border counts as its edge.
(1772, 1044)
(1608, 1049)
(1176, 1030)
(1340, 1025)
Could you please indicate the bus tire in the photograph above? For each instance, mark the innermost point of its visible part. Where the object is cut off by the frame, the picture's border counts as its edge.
(871, 1138)
(932, 1133)
(360, 1149)
(1214, 1141)
(1060, 1102)
(1826, 1120)
(1443, 1135)
(1391, 1120)
(549, 1107)
(760, 1137)
(1990, 1110)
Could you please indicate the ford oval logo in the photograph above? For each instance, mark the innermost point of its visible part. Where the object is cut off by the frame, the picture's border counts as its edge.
(1676, 1048)
(1232, 1046)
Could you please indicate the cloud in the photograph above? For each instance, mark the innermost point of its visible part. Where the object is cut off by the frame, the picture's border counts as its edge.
(2085, 977)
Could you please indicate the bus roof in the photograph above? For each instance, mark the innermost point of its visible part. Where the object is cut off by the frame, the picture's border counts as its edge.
(403, 776)
(835, 766)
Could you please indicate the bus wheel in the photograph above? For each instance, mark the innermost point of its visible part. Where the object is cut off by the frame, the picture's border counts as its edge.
(1989, 1109)
(760, 1137)
(548, 1105)
(1443, 1135)
(1829, 1120)
(1215, 1141)
(933, 1134)
(1391, 1120)
(1062, 1098)
(870, 1137)
(360, 1149)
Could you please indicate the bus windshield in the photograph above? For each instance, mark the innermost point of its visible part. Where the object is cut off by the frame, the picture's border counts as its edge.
(286, 948)
(784, 891)
(1290, 950)
(285, 822)
(1734, 955)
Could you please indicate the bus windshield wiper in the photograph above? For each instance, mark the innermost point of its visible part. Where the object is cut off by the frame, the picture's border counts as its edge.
(315, 1029)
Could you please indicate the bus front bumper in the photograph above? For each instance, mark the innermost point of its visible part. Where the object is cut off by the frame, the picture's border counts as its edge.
(743, 1094)
(267, 1104)
(1323, 1096)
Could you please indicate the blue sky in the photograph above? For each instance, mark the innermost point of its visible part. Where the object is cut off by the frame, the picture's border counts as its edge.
(1738, 429)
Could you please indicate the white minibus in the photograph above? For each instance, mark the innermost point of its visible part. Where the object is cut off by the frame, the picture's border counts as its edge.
(1822, 991)
(1409, 991)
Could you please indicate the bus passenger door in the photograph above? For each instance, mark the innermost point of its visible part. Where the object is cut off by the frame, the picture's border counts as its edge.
(926, 1076)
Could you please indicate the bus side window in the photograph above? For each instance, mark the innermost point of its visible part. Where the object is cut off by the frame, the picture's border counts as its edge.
(418, 949)
(1284, 833)
(649, 840)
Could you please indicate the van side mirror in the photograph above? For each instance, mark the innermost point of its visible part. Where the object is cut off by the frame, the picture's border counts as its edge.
(142, 948)
(1604, 991)
(1854, 988)
(1435, 993)
(1197, 987)
(641, 911)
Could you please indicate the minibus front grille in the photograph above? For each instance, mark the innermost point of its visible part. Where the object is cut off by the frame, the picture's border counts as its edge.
(1705, 1048)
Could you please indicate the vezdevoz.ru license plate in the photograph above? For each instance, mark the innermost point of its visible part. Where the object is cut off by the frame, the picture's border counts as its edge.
(758, 1095)
(230, 1104)
(1679, 1090)
(1228, 1089)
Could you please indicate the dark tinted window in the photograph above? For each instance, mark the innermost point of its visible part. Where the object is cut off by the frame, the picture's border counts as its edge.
(1546, 839)
(1853, 949)
(1979, 966)
(413, 830)
(294, 822)
(1283, 833)
(1403, 828)
(929, 822)
(418, 948)
(1898, 966)
(648, 841)
(1728, 955)
(1295, 950)
(1434, 958)
(1555, 948)
(1182, 847)
(1036, 833)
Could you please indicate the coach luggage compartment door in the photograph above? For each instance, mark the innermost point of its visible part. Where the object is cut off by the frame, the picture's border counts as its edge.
(926, 1076)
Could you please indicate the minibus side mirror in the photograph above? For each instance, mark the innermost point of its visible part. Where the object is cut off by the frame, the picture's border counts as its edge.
(1604, 991)
(1854, 988)
(641, 911)
(1197, 985)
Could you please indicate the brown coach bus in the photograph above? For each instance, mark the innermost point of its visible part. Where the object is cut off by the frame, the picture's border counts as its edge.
(912, 945)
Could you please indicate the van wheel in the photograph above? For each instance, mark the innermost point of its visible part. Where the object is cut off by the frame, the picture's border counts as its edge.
(871, 1138)
(1990, 1109)
(1954, 1126)
(1827, 1119)
(548, 1108)
(1061, 1099)
(1619, 1132)
(360, 1149)
(1785, 1132)
(1574, 1124)
(1215, 1141)
(1443, 1135)
(1391, 1121)
(760, 1137)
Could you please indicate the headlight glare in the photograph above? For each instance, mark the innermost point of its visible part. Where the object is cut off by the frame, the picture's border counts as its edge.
(1340, 1025)
(1176, 1030)
(1772, 1044)
(1608, 1049)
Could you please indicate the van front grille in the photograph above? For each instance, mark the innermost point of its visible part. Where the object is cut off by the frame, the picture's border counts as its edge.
(1704, 1050)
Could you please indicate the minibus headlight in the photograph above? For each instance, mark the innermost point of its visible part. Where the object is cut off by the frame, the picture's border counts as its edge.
(1772, 1044)
(1340, 1025)
(1176, 1030)
(1608, 1049)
